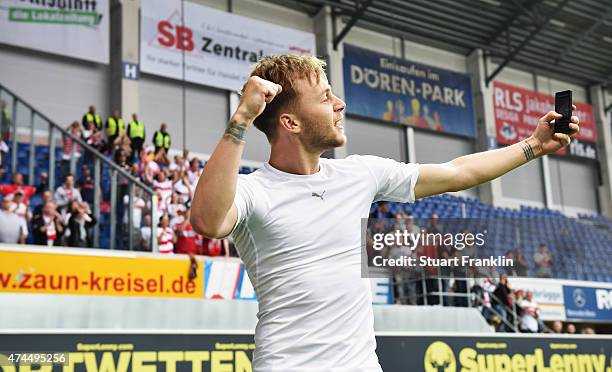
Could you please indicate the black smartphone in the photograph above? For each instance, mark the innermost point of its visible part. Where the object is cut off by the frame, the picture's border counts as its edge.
(563, 106)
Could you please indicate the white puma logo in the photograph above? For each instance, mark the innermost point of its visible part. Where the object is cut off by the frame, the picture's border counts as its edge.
(319, 195)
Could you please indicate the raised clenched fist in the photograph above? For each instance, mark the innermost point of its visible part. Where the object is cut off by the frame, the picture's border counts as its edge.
(257, 92)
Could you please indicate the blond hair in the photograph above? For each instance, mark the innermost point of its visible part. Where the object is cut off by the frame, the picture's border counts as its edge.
(284, 70)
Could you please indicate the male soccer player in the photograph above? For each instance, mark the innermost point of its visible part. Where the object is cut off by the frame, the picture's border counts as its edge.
(296, 221)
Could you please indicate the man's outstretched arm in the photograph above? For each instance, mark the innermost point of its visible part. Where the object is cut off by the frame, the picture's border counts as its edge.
(213, 213)
(471, 170)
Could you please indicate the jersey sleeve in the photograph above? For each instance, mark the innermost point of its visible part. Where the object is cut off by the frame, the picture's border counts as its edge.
(395, 181)
(244, 199)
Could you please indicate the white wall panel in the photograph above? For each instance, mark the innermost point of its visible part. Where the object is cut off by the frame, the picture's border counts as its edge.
(275, 14)
(207, 117)
(513, 76)
(367, 138)
(256, 9)
(435, 148)
(574, 183)
(59, 87)
(525, 183)
(550, 86)
(161, 100)
(435, 57)
(373, 40)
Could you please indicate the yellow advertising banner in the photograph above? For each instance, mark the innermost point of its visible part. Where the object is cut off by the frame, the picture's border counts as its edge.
(82, 274)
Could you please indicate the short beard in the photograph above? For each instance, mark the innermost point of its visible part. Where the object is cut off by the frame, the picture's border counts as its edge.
(320, 137)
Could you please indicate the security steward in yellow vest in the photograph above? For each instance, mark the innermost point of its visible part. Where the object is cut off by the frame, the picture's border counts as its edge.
(114, 128)
(136, 132)
(92, 117)
(161, 139)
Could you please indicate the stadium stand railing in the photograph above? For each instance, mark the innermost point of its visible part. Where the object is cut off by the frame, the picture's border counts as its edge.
(35, 146)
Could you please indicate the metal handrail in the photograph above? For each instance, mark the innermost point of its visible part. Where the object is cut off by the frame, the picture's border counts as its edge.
(510, 310)
(81, 143)
(441, 294)
(98, 157)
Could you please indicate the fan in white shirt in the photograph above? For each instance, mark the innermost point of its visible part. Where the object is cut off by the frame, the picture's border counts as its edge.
(20, 208)
(183, 188)
(531, 314)
(139, 205)
(165, 235)
(194, 171)
(163, 186)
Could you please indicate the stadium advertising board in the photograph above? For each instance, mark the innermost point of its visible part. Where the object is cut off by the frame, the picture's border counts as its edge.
(100, 272)
(233, 352)
(517, 111)
(494, 354)
(129, 352)
(77, 29)
(218, 48)
(81, 274)
(546, 293)
(391, 89)
(588, 303)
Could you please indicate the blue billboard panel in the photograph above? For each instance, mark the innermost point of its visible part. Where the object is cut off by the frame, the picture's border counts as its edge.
(588, 303)
(387, 88)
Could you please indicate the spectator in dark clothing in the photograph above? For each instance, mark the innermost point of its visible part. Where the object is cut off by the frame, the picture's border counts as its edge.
(87, 185)
(501, 299)
(522, 265)
(434, 226)
(382, 211)
(122, 192)
(446, 252)
(79, 224)
(43, 184)
(510, 269)
(47, 197)
(47, 228)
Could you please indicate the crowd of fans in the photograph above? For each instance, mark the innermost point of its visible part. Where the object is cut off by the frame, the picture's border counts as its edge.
(486, 287)
(503, 307)
(65, 217)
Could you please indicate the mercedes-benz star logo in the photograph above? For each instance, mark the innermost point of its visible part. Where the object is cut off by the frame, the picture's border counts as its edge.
(579, 297)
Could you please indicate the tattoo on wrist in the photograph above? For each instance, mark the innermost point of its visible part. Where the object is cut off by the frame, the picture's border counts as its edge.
(236, 132)
(527, 150)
